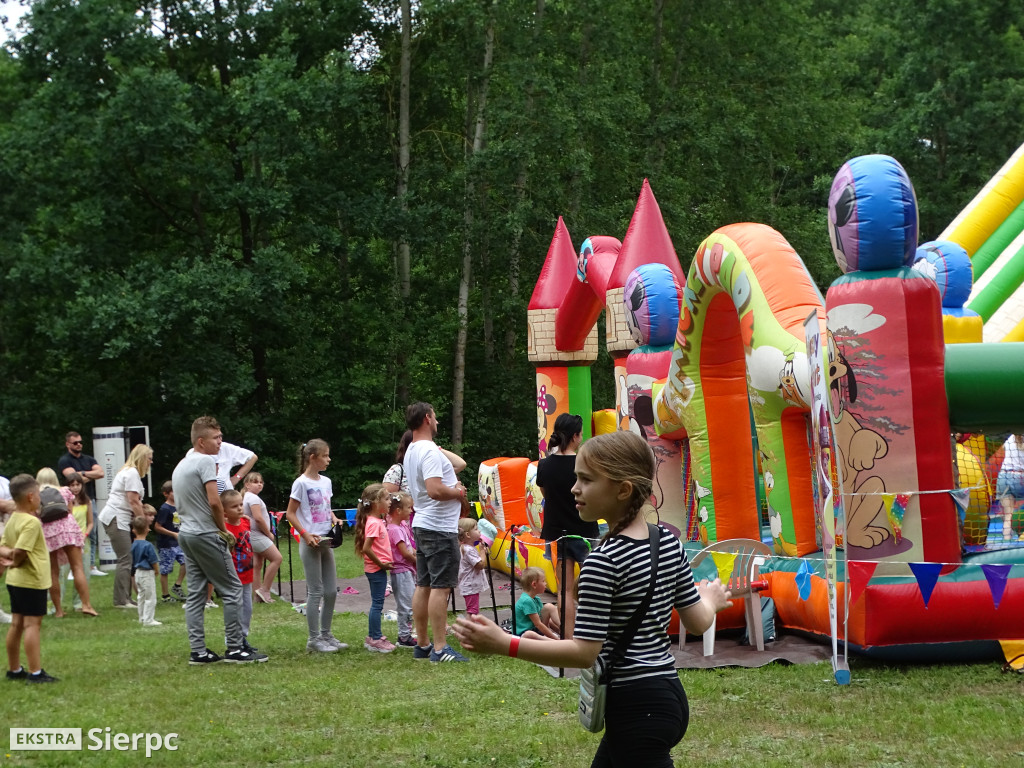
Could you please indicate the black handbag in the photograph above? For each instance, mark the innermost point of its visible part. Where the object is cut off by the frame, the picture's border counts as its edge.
(594, 680)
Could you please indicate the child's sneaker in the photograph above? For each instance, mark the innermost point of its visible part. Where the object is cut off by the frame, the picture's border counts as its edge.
(422, 652)
(21, 674)
(210, 604)
(406, 641)
(177, 591)
(446, 654)
(319, 645)
(40, 677)
(168, 599)
(203, 657)
(380, 645)
(242, 656)
(330, 639)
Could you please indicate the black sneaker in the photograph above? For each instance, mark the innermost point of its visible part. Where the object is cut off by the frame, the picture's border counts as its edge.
(247, 647)
(178, 592)
(242, 656)
(203, 657)
(21, 674)
(168, 599)
(40, 677)
(446, 654)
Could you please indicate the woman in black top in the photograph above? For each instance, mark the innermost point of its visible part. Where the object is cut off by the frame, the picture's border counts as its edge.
(556, 476)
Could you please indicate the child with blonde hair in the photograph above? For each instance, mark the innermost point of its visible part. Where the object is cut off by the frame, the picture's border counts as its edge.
(472, 580)
(403, 564)
(145, 564)
(647, 713)
(264, 549)
(531, 613)
(373, 543)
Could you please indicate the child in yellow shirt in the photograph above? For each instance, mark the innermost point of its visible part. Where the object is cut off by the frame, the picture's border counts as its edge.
(23, 551)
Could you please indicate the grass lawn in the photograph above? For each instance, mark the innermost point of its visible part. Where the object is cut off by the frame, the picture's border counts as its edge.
(359, 709)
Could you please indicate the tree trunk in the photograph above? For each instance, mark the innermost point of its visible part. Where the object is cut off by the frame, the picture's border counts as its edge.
(402, 193)
(479, 127)
(522, 179)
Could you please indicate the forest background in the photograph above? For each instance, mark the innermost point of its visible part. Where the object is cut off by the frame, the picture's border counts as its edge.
(300, 216)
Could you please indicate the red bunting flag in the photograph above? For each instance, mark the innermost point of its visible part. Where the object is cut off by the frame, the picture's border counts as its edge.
(926, 574)
(860, 574)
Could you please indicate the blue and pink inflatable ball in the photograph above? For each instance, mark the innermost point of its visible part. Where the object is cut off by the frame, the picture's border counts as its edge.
(872, 215)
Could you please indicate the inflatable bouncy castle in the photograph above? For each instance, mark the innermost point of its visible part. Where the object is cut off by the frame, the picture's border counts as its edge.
(712, 366)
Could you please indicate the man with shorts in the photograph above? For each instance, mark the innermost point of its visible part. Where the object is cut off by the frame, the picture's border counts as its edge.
(437, 498)
(206, 542)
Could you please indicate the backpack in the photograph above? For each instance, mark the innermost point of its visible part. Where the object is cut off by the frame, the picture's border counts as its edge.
(53, 505)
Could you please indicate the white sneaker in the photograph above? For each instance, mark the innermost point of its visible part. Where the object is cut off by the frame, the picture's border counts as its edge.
(153, 623)
(97, 572)
(211, 604)
(71, 577)
(320, 645)
(333, 641)
(5, 618)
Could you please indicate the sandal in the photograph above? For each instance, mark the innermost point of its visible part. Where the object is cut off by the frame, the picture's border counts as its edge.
(261, 598)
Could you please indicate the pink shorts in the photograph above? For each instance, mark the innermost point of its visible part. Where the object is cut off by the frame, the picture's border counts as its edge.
(472, 603)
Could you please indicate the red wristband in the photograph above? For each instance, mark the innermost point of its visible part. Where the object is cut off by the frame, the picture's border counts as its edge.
(513, 647)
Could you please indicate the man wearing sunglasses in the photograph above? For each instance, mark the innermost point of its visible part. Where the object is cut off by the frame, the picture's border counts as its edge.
(74, 460)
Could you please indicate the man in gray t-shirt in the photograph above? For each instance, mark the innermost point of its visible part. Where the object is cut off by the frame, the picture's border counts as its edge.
(194, 505)
(206, 543)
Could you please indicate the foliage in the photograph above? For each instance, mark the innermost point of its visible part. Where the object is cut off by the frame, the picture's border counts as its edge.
(199, 209)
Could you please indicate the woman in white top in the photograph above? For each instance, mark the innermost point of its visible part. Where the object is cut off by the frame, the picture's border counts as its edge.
(123, 505)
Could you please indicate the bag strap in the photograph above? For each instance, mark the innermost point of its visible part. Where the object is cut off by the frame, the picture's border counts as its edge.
(619, 651)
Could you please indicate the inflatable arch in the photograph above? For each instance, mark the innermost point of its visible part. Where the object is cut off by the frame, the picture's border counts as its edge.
(740, 350)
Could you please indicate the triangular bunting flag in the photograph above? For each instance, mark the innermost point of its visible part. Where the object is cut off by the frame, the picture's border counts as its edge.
(926, 574)
(962, 497)
(803, 580)
(724, 561)
(861, 572)
(996, 577)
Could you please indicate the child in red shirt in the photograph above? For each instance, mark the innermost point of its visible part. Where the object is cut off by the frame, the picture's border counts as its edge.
(238, 525)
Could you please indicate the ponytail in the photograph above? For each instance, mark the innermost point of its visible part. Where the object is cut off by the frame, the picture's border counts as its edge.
(314, 447)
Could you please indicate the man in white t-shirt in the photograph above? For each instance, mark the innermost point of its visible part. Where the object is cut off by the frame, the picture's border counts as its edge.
(6, 502)
(228, 457)
(437, 498)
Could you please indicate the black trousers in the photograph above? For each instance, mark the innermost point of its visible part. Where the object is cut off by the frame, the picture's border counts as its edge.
(643, 721)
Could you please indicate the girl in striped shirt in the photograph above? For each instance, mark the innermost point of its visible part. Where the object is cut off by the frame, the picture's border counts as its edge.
(647, 712)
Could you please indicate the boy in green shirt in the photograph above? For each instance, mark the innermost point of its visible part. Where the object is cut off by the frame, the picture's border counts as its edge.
(23, 551)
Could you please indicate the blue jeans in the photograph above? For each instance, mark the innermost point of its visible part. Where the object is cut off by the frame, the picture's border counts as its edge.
(378, 583)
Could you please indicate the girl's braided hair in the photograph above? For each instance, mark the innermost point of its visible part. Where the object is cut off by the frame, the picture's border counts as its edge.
(623, 457)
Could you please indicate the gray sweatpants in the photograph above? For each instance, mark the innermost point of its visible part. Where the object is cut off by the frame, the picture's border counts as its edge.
(208, 561)
(321, 587)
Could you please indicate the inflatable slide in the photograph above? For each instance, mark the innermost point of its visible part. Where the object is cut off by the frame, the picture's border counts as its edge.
(991, 230)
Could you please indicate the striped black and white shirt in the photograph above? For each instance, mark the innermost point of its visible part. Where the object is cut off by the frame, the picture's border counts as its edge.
(612, 584)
